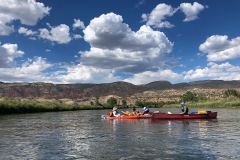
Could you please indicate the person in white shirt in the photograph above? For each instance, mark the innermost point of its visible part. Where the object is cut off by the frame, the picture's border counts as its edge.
(115, 112)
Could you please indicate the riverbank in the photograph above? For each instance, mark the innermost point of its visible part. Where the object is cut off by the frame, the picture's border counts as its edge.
(10, 106)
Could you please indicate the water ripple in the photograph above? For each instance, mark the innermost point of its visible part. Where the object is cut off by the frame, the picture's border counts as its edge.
(84, 135)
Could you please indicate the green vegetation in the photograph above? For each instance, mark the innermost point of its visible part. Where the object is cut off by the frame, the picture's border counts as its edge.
(189, 96)
(97, 103)
(124, 103)
(232, 93)
(8, 106)
(149, 104)
(112, 102)
(91, 103)
(231, 99)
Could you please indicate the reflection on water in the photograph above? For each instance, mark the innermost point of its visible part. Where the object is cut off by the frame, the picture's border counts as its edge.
(84, 135)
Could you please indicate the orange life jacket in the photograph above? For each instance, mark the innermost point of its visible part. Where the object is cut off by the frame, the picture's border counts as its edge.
(111, 114)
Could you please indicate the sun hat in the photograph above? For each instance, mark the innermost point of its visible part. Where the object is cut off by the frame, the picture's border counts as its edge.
(114, 108)
(182, 103)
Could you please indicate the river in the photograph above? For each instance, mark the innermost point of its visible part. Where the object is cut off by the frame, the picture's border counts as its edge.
(84, 135)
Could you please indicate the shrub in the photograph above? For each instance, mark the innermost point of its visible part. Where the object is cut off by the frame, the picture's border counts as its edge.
(189, 96)
(232, 92)
(112, 102)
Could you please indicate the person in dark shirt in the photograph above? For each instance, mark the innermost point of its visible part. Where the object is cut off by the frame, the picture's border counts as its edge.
(145, 110)
(184, 108)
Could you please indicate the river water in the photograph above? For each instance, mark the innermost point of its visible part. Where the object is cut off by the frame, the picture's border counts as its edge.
(84, 135)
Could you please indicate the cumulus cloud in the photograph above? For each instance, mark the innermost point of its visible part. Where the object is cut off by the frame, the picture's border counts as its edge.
(5, 29)
(77, 36)
(158, 15)
(191, 11)
(27, 11)
(219, 48)
(26, 32)
(224, 71)
(8, 52)
(78, 24)
(84, 74)
(119, 48)
(30, 71)
(59, 34)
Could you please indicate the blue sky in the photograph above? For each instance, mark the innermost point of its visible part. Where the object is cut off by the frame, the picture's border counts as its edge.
(136, 41)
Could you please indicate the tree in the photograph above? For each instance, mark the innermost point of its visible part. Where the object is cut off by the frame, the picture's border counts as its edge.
(97, 103)
(149, 104)
(124, 103)
(189, 96)
(91, 103)
(112, 101)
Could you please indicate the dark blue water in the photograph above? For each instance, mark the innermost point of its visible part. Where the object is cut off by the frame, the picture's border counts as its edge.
(84, 135)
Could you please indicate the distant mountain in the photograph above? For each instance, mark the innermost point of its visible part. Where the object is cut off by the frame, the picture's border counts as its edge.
(208, 84)
(86, 91)
(158, 85)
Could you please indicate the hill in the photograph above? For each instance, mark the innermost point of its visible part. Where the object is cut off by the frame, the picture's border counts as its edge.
(154, 91)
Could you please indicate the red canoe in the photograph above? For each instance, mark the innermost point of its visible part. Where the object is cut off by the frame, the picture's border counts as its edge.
(209, 115)
(129, 117)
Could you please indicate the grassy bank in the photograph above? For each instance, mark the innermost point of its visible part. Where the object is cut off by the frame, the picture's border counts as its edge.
(223, 103)
(8, 106)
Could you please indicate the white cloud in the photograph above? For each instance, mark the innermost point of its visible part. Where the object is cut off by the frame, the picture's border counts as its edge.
(26, 32)
(47, 50)
(191, 11)
(158, 15)
(85, 74)
(219, 48)
(8, 52)
(148, 76)
(27, 11)
(33, 38)
(5, 29)
(224, 71)
(30, 71)
(59, 34)
(77, 36)
(117, 47)
(35, 66)
(78, 24)
(39, 70)
(157, 18)
(140, 3)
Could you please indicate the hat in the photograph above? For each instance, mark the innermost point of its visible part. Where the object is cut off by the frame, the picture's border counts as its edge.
(114, 108)
(182, 103)
(144, 108)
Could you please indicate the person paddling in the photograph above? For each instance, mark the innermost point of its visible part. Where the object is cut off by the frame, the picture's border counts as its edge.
(115, 112)
(145, 110)
(184, 108)
(135, 112)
